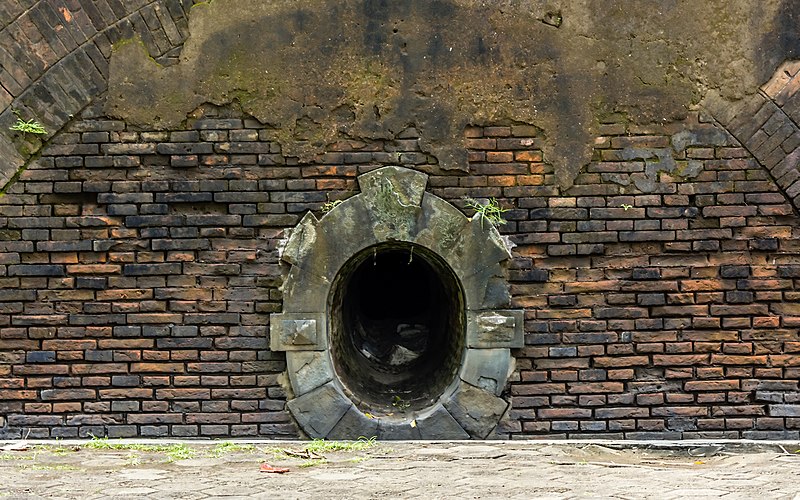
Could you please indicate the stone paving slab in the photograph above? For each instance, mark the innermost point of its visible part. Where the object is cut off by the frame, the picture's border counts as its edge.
(128, 469)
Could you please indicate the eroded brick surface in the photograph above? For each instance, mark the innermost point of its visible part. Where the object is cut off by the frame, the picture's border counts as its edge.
(138, 269)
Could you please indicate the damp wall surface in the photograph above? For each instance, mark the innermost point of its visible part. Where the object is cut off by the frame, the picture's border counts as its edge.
(648, 164)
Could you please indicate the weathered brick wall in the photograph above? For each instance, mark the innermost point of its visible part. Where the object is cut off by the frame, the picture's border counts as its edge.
(138, 269)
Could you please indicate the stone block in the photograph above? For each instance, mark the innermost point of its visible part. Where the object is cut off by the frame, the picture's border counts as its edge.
(301, 239)
(495, 329)
(308, 370)
(480, 246)
(304, 291)
(393, 195)
(487, 369)
(439, 424)
(397, 430)
(476, 410)
(354, 425)
(318, 411)
(441, 226)
(486, 289)
(298, 332)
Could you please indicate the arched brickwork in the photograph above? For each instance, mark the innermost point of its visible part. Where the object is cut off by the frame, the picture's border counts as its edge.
(54, 56)
(766, 124)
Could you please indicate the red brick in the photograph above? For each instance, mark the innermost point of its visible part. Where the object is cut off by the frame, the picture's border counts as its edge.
(784, 360)
(94, 269)
(7, 394)
(531, 156)
(679, 411)
(725, 359)
(183, 394)
(681, 359)
(499, 156)
(530, 389)
(594, 387)
(213, 418)
(481, 143)
(626, 374)
(157, 368)
(618, 413)
(150, 318)
(621, 361)
(497, 131)
(711, 385)
(536, 427)
(127, 393)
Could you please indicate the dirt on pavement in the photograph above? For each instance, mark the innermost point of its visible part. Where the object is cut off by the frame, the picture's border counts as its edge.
(524, 469)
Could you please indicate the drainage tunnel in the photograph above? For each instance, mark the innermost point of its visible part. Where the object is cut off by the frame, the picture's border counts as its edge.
(397, 321)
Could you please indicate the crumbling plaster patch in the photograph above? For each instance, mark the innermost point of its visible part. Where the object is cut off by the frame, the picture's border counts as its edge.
(368, 69)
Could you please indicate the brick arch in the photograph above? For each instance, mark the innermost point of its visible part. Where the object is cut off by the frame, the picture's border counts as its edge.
(54, 57)
(767, 124)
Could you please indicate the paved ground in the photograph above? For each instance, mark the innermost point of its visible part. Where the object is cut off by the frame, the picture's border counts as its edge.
(163, 470)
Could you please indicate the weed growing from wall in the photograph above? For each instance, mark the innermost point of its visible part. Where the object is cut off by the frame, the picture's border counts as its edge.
(489, 210)
(27, 126)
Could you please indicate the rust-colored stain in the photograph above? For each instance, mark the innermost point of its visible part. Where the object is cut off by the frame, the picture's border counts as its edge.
(65, 13)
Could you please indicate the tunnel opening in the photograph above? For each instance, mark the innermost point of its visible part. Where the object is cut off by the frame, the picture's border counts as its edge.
(397, 327)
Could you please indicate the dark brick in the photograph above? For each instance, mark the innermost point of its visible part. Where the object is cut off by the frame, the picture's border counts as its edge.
(646, 274)
(41, 357)
(154, 220)
(765, 244)
(36, 270)
(191, 197)
(734, 271)
(97, 319)
(184, 148)
(151, 269)
(788, 271)
(217, 123)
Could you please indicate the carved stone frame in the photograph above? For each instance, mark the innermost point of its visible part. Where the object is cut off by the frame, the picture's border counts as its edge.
(394, 206)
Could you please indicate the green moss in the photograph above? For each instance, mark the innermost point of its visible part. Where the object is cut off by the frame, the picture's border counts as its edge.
(367, 81)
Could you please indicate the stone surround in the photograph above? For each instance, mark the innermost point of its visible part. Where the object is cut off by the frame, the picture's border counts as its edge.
(394, 207)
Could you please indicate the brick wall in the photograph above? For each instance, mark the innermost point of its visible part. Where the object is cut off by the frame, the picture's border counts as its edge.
(138, 269)
(54, 57)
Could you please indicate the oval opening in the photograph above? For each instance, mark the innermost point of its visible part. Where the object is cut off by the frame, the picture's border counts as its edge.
(397, 328)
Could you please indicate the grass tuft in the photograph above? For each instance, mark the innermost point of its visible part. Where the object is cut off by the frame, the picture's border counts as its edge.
(314, 462)
(227, 447)
(177, 451)
(321, 446)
